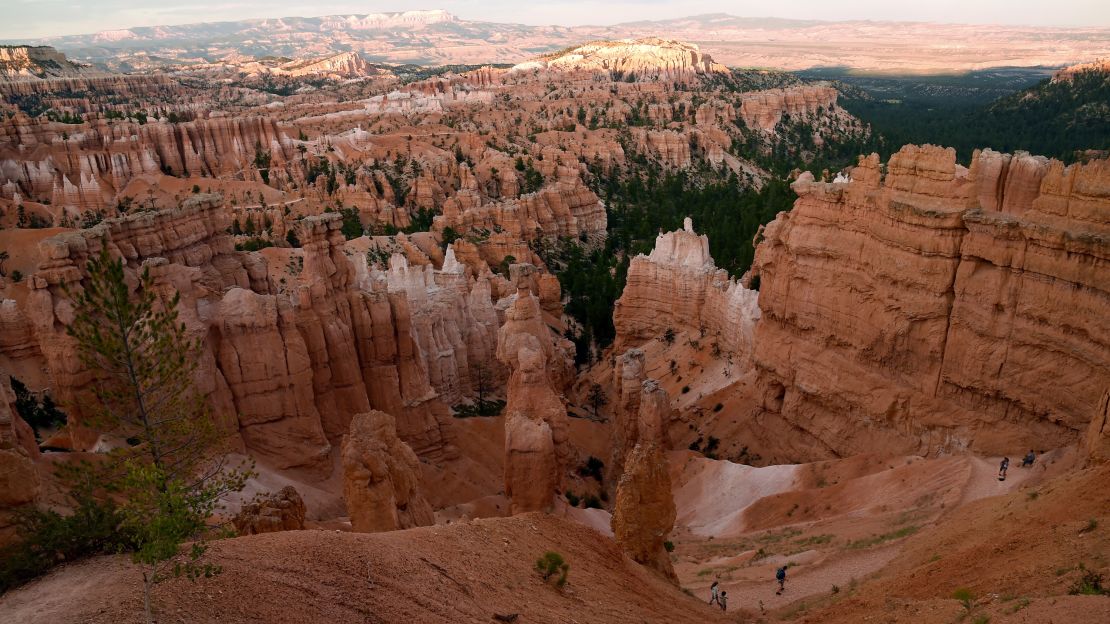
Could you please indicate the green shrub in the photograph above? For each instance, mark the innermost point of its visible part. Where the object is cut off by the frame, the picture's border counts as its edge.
(669, 545)
(573, 499)
(593, 502)
(718, 407)
(1090, 584)
(592, 468)
(17, 276)
(966, 598)
(551, 563)
(685, 389)
(47, 538)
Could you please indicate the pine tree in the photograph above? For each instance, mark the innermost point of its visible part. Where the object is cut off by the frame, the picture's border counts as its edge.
(172, 473)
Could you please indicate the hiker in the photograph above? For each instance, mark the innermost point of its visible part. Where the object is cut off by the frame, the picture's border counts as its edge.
(715, 593)
(780, 576)
(1002, 468)
(724, 601)
(1029, 459)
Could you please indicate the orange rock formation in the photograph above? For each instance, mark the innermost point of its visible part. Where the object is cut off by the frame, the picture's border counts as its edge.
(381, 477)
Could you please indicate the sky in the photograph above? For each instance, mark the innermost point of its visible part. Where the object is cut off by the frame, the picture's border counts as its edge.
(27, 19)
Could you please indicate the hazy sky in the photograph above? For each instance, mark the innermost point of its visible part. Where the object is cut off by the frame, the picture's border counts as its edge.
(21, 19)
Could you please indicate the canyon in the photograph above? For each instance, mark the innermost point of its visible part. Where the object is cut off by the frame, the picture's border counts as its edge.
(374, 265)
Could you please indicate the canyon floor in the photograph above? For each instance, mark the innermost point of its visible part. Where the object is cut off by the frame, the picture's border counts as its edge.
(865, 538)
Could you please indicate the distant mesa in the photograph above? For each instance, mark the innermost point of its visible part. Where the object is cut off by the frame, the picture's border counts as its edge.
(642, 58)
(38, 62)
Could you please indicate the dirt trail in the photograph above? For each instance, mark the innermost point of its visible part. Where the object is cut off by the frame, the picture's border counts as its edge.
(983, 481)
(757, 584)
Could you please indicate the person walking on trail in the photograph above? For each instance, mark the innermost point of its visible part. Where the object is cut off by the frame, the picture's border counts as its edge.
(1002, 468)
(1029, 459)
(724, 601)
(780, 576)
(715, 593)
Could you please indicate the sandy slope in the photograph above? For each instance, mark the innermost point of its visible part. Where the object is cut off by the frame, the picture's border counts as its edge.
(465, 572)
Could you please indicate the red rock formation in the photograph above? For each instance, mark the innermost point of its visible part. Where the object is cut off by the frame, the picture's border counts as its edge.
(1096, 444)
(19, 482)
(537, 448)
(908, 314)
(381, 476)
(644, 512)
(283, 511)
(678, 287)
(764, 109)
(281, 371)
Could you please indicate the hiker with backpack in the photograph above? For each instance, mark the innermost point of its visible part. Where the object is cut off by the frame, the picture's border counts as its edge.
(1002, 468)
(724, 601)
(715, 593)
(780, 576)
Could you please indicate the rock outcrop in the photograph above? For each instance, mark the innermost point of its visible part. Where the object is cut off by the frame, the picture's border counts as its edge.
(19, 481)
(283, 511)
(765, 109)
(678, 287)
(537, 448)
(381, 477)
(1096, 442)
(644, 512)
(937, 308)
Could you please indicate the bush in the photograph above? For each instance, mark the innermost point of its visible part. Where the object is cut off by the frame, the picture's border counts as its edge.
(39, 415)
(669, 545)
(966, 598)
(48, 538)
(592, 468)
(685, 389)
(573, 499)
(17, 276)
(1090, 584)
(593, 502)
(718, 407)
(551, 563)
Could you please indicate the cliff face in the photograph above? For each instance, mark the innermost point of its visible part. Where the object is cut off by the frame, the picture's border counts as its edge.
(19, 482)
(936, 307)
(765, 109)
(283, 368)
(88, 167)
(678, 287)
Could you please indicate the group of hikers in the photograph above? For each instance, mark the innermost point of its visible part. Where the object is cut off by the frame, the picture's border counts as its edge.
(720, 597)
(1027, 461)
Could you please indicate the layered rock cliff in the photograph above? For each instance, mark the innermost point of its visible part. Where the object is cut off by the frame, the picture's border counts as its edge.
(381, 477)
(678, 287)
(931, 308)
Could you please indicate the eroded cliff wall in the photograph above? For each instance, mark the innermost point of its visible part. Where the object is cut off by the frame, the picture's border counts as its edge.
(930, 308)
